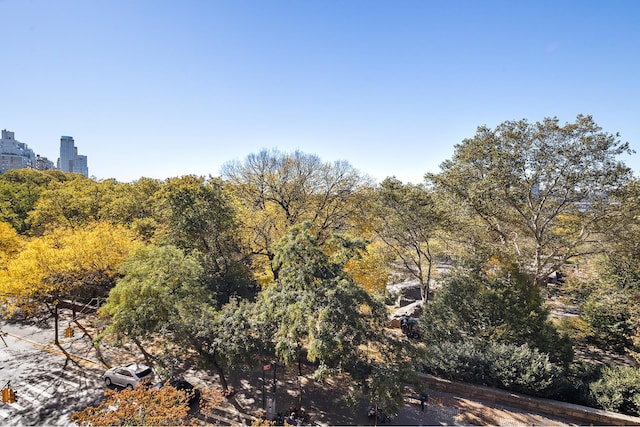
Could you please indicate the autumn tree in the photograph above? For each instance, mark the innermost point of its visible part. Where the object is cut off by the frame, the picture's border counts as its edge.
(63, 266)
(10, 244)
(146, 406)
(135, 204)
(544, 190)
(74, 203)
(370, 269)
(276, 191)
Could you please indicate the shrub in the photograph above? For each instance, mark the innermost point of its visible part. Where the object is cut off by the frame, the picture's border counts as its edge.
(618, 390)
(507, 366)
(610, 313)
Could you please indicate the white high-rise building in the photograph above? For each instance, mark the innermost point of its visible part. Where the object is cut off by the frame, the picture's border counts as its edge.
(69, 160)
(14, 154)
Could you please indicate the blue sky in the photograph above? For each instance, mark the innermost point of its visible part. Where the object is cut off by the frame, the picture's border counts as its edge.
(167, 88)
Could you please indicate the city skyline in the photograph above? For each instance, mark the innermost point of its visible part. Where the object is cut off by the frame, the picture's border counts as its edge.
(15, 154)
(390, 87)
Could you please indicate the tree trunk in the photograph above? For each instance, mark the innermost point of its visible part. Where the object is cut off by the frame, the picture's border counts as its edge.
(56, 316)
(147, 357)
(96, 346)
(223, 380)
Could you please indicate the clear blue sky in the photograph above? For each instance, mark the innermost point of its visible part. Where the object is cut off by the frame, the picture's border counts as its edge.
(167, 88)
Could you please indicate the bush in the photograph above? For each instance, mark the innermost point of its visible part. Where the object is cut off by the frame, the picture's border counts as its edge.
(610, 313)
(618, 390)
(503, 307)
(507, 366)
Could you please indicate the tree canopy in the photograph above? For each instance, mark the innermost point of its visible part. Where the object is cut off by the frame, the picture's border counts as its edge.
(277, 190)
(544, 189)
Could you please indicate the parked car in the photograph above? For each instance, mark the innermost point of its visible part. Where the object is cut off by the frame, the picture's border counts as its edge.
(128, 376)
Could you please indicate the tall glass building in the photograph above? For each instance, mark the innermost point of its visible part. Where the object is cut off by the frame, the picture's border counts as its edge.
(69, 160)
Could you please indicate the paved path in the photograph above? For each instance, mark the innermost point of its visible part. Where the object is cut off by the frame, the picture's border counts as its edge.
(324, 405)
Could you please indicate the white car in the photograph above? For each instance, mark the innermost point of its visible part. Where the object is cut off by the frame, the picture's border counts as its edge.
(128, 376)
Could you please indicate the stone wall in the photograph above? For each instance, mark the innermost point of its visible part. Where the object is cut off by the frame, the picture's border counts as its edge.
(579, 414)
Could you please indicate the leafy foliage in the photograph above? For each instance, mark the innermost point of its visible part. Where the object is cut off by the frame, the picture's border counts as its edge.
(409, 219)
(507, 366)
(275, 191)
(492, 306)
(72, 264)
(20, 189)
(198, 217)
(10, 244)
(74, 203)
(612, 315)
(542, 189)
(153, 280)
(317, 305)
(618, 390)
(162, 293)
(146, 406)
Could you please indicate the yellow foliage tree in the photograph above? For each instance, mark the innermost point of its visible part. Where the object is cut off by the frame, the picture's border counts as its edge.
(10, 244)
(370, 271)
(66, 264)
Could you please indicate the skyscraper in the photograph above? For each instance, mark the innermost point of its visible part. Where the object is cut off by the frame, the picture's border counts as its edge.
(69, 160)
(14, 154)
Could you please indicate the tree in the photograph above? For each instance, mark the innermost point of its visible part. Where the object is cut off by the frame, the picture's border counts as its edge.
(73, 203)
(146, 406)
(10, 244)
(198, 216)
(315, 305)
(135, 205)
(612, 314)
(20, 189)
(276, 191)
(618, 390)
(162, 297)
(62, 266)
(370, 269)
(492, 303)
(154, 279)
(545, 190)
(409, 219)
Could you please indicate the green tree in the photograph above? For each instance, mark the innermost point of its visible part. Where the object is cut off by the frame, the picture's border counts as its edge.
(20, 189)
(492, 304)
(315, 305)
(409, 219)
(74, 203)
(135, 204)
(618, 390)
(612, 315)
(162, 296)
(544, 190)
(144, 298)
(198, 217)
